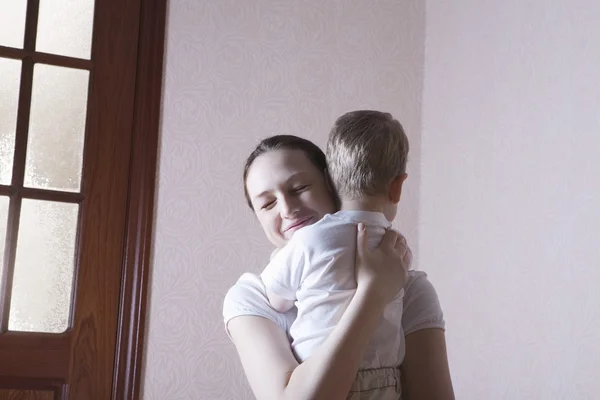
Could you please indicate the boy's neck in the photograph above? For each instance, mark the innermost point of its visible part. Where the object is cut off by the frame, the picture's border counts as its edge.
(374, 204)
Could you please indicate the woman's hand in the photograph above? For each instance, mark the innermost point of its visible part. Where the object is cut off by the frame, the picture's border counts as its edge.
(383, 271)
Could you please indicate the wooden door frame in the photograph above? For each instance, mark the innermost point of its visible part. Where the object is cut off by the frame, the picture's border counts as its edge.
(140, 203)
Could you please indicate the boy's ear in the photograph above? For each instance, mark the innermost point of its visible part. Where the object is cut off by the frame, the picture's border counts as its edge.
(395, 191)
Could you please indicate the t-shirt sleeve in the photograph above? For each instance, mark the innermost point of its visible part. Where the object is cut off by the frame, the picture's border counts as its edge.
(283, 275)
(422, 308)
(248, 297)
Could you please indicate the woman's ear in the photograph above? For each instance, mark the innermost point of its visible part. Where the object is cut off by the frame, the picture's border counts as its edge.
(395, 191)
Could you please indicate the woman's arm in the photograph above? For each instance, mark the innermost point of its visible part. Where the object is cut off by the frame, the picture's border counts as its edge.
(264, 349)
(274, 373)
(425, 371)
(265, 353)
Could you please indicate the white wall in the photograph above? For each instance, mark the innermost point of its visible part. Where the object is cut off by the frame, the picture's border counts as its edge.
(510, 200)
(236, 72)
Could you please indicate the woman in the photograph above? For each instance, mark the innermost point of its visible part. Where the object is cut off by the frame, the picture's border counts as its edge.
(286, 176)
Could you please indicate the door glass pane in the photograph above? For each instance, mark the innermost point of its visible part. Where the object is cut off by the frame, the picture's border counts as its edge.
(3, 222)
(10, 73)
(12, 22)
(56, 128)
(65, 27)
(44, 265)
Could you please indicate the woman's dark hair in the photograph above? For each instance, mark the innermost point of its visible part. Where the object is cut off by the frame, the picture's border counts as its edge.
(290, 142)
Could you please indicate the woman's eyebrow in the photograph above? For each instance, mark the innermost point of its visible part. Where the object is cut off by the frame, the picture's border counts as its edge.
(296, 175)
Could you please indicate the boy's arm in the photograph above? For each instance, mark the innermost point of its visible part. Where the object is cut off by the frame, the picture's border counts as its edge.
(282, 277)
(279, 303)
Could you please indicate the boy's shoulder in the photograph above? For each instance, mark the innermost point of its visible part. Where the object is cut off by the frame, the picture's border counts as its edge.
(326, 232)
(341, 222)
(328, 222)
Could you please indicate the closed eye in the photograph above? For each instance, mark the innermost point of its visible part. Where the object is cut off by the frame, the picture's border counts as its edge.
(268, 206)
(299, 188)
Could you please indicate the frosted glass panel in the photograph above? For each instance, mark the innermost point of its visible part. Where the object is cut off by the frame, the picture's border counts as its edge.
(43, 276)
(56, 128)
(3, 220)
(12, 22)
(10, 75)
(65, 27)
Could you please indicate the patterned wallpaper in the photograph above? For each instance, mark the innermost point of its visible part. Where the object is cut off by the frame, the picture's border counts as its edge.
(237, 72)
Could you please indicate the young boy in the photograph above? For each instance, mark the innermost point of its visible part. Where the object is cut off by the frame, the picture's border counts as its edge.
(366, 155)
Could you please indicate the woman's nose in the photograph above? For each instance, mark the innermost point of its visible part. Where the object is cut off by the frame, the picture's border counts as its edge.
(289, 208)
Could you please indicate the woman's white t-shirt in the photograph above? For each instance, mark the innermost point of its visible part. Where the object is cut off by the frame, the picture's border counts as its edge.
(421, 304)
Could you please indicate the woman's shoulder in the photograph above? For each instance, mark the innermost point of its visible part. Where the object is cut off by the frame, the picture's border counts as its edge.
(248, 297)
(422, 308)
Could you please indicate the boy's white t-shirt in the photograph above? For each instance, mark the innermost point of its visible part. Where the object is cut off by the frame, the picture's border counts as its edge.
(421, 305)
(317, 270)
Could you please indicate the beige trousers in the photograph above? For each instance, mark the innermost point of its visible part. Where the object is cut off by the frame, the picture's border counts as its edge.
(376, 384)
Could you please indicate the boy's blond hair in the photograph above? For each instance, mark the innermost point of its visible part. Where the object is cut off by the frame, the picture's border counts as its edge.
(366, 150)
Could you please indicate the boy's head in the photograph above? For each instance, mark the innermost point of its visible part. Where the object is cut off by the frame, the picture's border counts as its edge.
(366, 154)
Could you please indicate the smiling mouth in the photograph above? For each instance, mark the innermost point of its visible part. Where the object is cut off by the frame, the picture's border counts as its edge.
(298, 224)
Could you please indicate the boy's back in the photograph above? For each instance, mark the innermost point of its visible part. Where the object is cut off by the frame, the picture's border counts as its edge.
(316, 269)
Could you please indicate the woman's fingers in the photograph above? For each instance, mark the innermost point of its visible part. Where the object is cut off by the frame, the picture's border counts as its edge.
(390, 239)
(407, 258)
(401, 241)
(361, 240)
(384, 268)
(401, 245)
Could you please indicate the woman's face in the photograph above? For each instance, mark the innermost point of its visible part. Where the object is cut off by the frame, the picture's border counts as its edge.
(287, 192)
